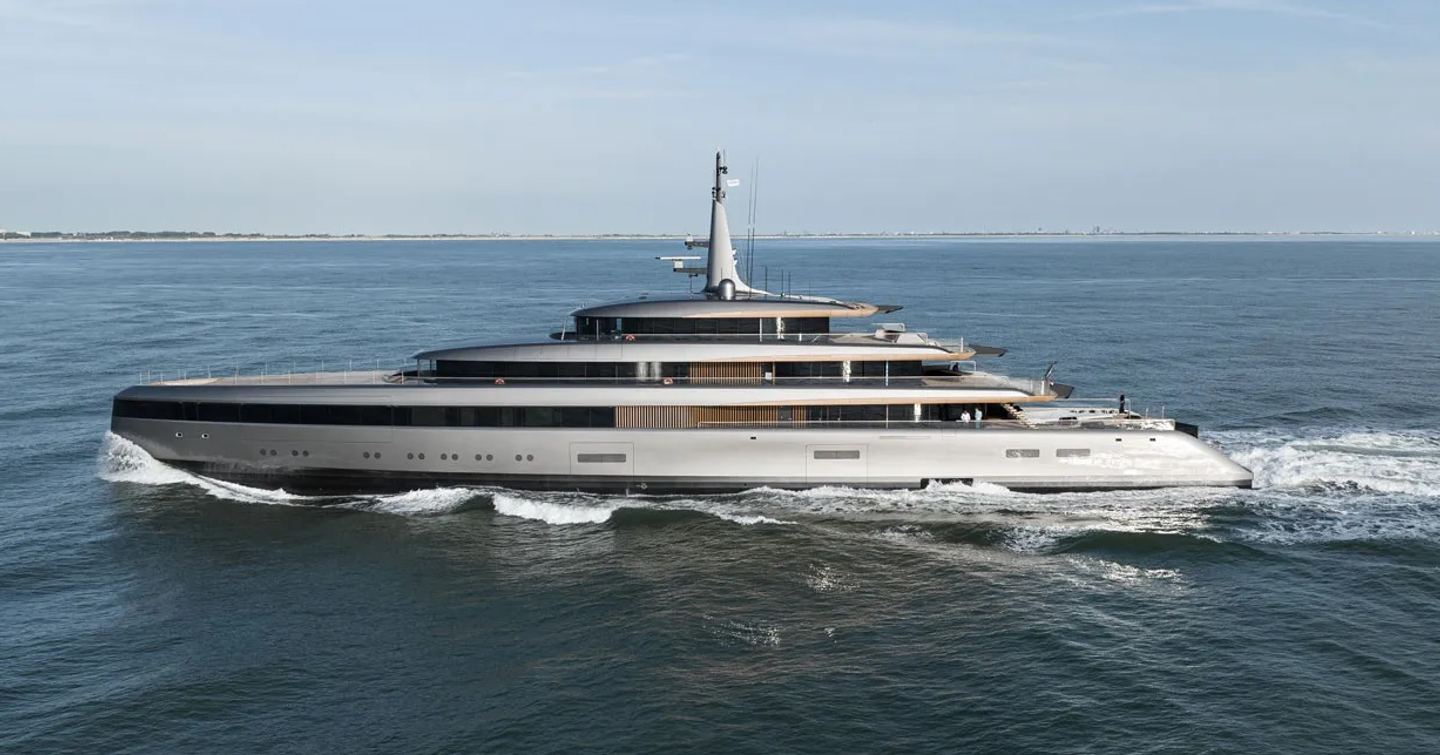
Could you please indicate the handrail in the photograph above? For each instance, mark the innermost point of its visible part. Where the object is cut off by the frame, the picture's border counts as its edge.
(902, 338)
(1114, 423)
(349, 372)
(374, 374)
(1030, 386)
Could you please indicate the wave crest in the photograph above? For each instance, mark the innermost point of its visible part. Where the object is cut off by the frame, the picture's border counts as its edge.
(1405, 463)
(551, 512)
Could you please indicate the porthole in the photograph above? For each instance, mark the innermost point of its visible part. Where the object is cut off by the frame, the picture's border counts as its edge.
(489, 457)
(304, 453)
(443, 457)
(207, 435)
(517, 457)
(377, 454)
(366, 454)
(1152, 440)
(274, 452)
(179, 435)
(293, 452)
(410, 456)
(477, 457)
(454, 457)
(422, 456)
(262, 452)
(529, 457)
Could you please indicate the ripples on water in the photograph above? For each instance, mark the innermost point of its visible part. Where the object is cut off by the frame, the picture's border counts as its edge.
(149, 609)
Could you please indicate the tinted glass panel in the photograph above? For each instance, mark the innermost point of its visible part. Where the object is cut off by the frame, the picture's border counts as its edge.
(427, 416)
(807, 325)
(219, 412)
(147, 409)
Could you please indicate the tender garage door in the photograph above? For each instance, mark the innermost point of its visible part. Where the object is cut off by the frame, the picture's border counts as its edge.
(835, 463)
(602, 459)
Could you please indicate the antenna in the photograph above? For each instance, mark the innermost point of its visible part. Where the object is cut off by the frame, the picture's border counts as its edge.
(754, 199)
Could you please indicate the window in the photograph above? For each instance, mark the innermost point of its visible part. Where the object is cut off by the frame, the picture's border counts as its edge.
(881, 369)
(1022, 453)
(812, 370)
(876, 413)
(278, 414)
(600, 458)
(219, 412)
(421, 416)
(147, 409)
(842, 454)
(807, 325)
(453, 368)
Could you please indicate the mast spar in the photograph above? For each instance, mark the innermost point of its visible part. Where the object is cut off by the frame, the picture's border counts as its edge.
(722, 277)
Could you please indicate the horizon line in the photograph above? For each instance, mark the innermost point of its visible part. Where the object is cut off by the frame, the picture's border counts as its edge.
(140, 235)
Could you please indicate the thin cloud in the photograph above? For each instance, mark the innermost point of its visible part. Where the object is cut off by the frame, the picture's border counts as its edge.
(1270, 7)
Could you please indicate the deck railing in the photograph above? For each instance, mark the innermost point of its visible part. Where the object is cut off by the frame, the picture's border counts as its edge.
(1028, 386)
(1108, 423)
(902, 337)
(1113, 422)
(359, 373)
(343, 372)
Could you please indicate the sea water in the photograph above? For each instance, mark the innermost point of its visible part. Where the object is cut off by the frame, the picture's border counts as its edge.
(143, 609)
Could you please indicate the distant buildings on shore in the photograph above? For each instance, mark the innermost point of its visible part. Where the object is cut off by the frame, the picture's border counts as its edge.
(10, 235)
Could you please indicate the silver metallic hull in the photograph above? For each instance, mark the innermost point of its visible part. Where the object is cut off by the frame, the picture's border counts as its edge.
(333, 459)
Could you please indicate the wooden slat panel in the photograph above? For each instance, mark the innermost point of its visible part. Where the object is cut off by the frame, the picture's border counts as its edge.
(750, 414)
(726, 372)
(655, 417)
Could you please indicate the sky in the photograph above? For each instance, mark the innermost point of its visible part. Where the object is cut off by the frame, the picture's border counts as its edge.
(448, 116)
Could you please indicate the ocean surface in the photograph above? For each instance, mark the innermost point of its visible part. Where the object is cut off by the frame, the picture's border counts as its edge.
(145, 610)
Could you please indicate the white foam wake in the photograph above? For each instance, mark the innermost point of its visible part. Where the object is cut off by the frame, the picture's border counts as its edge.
(1331, 486)
(123, 461)
(749, 519)
(551, 512)
(426, 502)
(1396, 462)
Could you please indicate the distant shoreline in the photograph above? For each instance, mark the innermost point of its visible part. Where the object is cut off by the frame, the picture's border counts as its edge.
(138, 236)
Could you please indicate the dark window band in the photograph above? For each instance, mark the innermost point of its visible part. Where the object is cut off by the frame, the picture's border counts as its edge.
(396, 416)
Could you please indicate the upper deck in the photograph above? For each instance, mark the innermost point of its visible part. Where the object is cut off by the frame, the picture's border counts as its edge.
(755, 347)
(703, 307)
(380, 386)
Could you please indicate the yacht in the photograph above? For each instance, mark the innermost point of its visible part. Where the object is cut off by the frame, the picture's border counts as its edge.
(723, 390)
